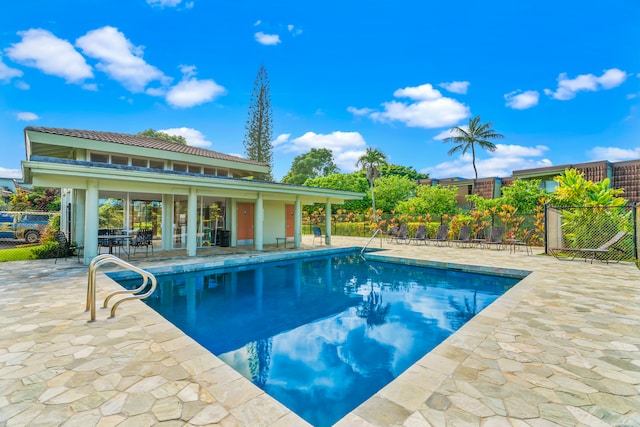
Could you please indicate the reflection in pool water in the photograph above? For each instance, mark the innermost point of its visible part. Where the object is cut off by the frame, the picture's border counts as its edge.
(322, 335)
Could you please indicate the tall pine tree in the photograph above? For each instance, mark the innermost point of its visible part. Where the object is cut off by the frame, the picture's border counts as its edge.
(257, 139)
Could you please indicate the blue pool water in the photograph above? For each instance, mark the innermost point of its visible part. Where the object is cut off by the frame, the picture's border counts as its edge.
(322, 334)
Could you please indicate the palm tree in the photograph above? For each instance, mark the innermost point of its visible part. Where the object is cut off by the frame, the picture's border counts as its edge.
(477, 133)
(370, 162)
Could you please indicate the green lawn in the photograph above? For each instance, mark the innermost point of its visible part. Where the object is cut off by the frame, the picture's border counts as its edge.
(18, 253)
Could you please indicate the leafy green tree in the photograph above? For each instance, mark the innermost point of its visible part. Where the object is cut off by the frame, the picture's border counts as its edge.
(524, 195)
(315, 163)
(435, 200)
(347, 182)
(478, 134)
(398, 170)
(371, 162)
(161, 135)
(259, 126)
(390, 190)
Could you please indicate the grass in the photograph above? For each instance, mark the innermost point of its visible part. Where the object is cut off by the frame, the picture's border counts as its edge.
(18, 253)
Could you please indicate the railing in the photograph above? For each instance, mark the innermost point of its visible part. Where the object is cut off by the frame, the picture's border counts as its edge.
(369, 241)
(91, 284)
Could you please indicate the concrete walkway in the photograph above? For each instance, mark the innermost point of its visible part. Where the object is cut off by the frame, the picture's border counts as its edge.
(561, 348)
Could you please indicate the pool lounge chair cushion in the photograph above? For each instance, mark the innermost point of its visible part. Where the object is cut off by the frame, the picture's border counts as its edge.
(602, 252)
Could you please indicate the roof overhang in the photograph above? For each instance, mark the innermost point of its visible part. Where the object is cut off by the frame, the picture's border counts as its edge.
(78, 176)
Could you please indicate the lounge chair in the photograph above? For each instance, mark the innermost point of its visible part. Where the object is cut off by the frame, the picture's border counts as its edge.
(391, 233)
(495, 238)
(602, 252)
(421, 235)
(442, 235)
(526, 242)
(402, 235)
(464, 236)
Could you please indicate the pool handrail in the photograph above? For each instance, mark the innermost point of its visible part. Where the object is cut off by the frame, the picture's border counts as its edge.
(91, 284)
(375, 233)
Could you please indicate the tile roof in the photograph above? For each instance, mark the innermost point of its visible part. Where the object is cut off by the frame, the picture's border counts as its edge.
(141, 141)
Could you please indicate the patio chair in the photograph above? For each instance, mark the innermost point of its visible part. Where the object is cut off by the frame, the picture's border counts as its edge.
(63, 246)
(464, 236)
(602, 252)
(442, 235)
(526, 242)
(495, 238)
(144, 239)
(317, 234)
(402, 235)
(391, 233)
(421, 235)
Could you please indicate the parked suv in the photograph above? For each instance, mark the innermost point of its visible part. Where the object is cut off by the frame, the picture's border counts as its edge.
(24, 225)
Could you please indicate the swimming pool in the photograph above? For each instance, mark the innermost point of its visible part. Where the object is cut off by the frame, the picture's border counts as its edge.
(322, 334)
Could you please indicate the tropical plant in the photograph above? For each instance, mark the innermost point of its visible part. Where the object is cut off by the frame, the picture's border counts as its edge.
(390, 190)
(370, 162)
(476, 133)
(259, 126)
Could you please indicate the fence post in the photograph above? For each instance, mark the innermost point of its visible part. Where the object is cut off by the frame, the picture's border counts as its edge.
(546, 230)
(635, 232)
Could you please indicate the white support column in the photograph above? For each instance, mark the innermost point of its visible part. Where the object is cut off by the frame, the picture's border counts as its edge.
(258, 226)
(77, 216)
(232, 224)
(91, 221)
(297, 223)
(167, 222)
(328, 223)
(192, 212)
(127, 212)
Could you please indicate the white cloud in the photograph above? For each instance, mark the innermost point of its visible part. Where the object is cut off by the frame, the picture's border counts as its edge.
(568, 88)
(258, 22)
(22, 85)
(293, 30)
(281, 139)
(191, 91)
(194, 137)
(448, 133)
(430, 109)
(456, 87)
(27, 116)
(42, 50)
(119, 59)
(360, 111)
(613, 154)
(267, 39)
(500, 163)
(164, 3)
(346, 147)
(10, 173)
(519, 100)
(7, 73)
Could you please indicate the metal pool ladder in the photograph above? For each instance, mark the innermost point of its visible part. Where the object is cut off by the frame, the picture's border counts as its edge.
(91, 284)
(369, 241)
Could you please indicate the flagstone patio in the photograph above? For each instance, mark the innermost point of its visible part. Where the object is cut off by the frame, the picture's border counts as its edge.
(560, 348)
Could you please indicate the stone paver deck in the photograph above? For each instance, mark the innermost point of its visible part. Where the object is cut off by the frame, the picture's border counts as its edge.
(562, 348)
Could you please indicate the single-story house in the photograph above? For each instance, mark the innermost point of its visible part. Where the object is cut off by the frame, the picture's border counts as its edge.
(189, 197)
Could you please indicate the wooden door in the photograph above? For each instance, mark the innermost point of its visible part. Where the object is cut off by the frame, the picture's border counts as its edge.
(245, 223)
(289, 220)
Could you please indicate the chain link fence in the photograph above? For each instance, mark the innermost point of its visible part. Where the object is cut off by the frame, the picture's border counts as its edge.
(592, 227)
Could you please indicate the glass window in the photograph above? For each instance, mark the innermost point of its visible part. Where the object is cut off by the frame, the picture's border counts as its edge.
(209, 171)
(99, 158)
(119, 160)
(141, 163)
(156, 164)
(222, 172)
(195, 169)
(179, 167)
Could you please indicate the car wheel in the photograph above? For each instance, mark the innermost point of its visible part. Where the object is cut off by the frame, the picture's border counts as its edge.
(32, 236)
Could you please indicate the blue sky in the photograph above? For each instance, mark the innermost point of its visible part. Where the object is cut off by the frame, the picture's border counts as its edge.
(560, 80)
